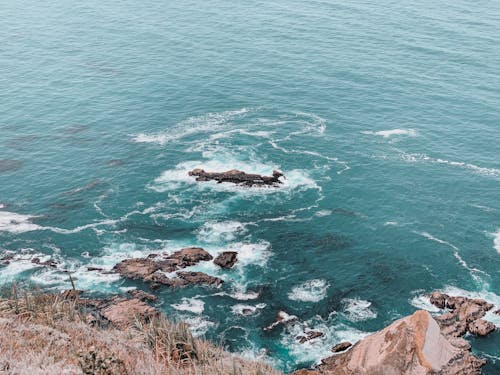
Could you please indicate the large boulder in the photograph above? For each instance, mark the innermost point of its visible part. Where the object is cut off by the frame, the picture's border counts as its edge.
(413, 345)
(227, 259)
(237, 177)
(123, 313)
(137, 268)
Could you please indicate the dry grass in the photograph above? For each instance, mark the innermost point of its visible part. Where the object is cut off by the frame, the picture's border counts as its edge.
(49, 334)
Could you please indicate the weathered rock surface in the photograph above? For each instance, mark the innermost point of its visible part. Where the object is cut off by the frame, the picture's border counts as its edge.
(227, 259)
(238, 177)
(412, 345)
(465, 315)
(152, 268)
(481, 327)
(142, 295)
(341, 347)
(123, 313)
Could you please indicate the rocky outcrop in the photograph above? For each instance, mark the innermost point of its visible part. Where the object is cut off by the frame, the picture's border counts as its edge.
(153, 268)
(308, 336)
(465, 315)
(238, 177)
(281, 318)
(227, 259)
(412, 345)
(142, 295)
(122, 312)
(343, 346)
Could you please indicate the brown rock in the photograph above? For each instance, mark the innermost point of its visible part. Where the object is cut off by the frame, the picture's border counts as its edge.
(122, 313)
(481, 327)
(142, 295)
(309, 336)
(341, 347)
(185, 258)
(137, 268)
(409, 346)
(305, 372)
(199, 278)
(227, 259)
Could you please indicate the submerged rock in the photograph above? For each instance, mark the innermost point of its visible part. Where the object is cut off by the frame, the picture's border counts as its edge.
(308, 336)
(227, 259)
(238, 177)
(412, 345)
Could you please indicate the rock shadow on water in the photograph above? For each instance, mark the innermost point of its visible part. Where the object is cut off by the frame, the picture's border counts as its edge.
(10, 165)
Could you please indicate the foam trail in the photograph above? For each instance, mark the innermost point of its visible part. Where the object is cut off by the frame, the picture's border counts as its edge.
(392, 132)
(456, 254)
(413, 158)
(196, 306)
(496, 240)
(17, 223)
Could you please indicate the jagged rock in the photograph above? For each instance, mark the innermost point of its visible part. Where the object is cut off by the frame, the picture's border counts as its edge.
(48, 263)
(142, 295)
(199, 278)
(341, 347)
(122, 313)
(281, 318)
(238, 177)
(137, 268)
(92, 268)
(481, 327)
(465, 312)
(227, 259)
(184, 258)
(496, 312)
(309, 336)
(409, 346)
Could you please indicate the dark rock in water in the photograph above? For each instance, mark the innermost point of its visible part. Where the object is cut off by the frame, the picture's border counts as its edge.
(341, 347)
(481, 327)
(199, 278)
(92, 268)
(7, 165)
(281, 318)
(496, 312)
(184, 258)
(142, 295)
(151, 269)
(227, 259)
(48, 263)
(308, 336)
(238, 177)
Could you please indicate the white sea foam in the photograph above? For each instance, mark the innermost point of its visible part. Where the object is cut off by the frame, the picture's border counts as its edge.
(310, 291)
(217, 232)
(415, 157)
(17, 223)
(322, 213)
(241, 309)
(496, 240)
(422, 301)
(356, 309)
(193, 305)
(456, 253)
(392, 132)
(199, 325)
(316, 349)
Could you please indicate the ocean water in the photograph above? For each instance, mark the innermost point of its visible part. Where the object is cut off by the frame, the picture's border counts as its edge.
(384, 117)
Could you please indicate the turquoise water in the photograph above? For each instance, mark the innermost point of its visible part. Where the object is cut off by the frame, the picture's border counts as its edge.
(384, 117)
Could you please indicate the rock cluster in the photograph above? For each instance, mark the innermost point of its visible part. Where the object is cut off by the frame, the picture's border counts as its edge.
(465, 315)
(238, 177)
(416, 345)
(153, 268)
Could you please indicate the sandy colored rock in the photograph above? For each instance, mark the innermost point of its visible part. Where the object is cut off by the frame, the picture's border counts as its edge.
(123, 313)
(137, 268)
(412, 345)
(481, 327)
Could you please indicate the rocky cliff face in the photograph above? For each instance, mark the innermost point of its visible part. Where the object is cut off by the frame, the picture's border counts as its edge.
(412, 345)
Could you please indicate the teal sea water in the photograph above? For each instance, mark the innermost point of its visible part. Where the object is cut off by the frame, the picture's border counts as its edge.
(384, 116)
